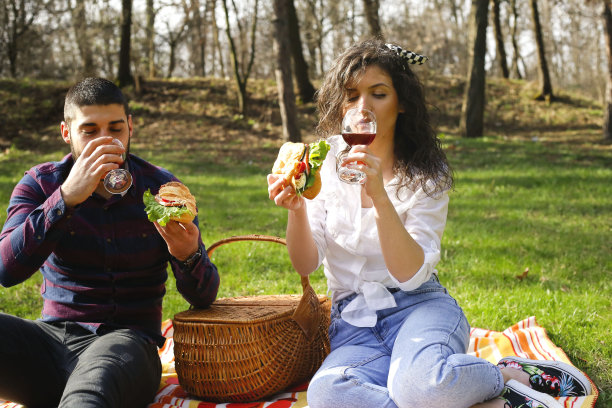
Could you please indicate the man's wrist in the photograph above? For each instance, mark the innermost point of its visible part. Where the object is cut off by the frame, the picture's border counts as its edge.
(191, 260)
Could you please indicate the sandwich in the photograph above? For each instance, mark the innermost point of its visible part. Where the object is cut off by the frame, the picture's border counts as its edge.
(173, 202)
(299, 165)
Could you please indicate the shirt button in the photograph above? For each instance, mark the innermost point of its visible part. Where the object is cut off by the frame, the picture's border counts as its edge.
(72, 233)
(144, 235)
(108, 240)
(59, 212)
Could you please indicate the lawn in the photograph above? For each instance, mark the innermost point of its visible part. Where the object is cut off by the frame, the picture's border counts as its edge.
(530, 219)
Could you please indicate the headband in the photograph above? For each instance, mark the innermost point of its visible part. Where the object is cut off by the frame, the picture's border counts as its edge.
(408, 56)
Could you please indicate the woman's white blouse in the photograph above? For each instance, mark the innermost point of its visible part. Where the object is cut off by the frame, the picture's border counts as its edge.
(348, 244)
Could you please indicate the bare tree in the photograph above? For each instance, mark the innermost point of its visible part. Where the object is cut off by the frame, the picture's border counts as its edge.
(513, 36)
(284, 83)
(173, 37)
(81, 33)
(607, 17)
(151, 13)
(18, 16)
(499, 39)
(371, 8)
(241, 75)
(472, 112)
(125, 75)
(546, 93)
(216, 42)
(300, 66)
(197, 24)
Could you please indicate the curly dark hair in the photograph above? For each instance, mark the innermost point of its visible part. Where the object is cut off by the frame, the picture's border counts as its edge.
(419, 157)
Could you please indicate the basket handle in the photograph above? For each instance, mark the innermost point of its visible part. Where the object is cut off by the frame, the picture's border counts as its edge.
(306, 314)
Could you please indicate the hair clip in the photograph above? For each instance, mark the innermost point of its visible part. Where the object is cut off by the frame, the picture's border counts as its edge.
(408, 56)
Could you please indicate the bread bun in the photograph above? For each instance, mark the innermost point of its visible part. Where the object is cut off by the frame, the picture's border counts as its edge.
(315, 189)
(288, 160)
(178, 194)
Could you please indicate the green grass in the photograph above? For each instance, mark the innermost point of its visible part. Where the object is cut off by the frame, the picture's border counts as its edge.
(520, 202)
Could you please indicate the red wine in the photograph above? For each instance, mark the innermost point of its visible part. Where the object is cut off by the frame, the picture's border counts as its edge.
(353, 139)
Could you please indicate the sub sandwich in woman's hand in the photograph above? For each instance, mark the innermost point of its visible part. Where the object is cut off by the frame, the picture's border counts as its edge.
(173, 202)
(299, 165)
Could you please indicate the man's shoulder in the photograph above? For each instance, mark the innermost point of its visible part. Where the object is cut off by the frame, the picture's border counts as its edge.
(50, 168)
(151, 173)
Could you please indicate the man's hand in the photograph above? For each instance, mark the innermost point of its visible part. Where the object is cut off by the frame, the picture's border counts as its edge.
(182, 239)
(98, 158)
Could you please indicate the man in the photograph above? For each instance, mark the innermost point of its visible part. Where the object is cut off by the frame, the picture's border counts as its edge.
(103, 263)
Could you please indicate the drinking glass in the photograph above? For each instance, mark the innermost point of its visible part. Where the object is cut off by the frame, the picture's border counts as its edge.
(358, 128)
(119, 180)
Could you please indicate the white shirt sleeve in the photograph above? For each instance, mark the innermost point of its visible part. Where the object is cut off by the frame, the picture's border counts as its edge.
(425, 221)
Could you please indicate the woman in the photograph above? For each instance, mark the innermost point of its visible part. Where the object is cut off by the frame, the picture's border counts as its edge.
(397, 338)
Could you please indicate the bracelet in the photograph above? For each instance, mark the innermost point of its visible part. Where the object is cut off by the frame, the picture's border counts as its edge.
(188, 263)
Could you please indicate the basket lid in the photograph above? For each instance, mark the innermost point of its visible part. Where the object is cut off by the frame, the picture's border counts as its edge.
(244, 309)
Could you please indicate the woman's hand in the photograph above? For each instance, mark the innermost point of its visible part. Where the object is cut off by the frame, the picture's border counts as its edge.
(283, 196)
(371, 165)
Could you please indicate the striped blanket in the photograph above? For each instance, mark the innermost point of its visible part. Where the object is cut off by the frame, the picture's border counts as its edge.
(525, 339)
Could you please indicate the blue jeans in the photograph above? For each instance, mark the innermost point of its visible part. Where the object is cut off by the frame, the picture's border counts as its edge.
(413, 357)
(64, 365)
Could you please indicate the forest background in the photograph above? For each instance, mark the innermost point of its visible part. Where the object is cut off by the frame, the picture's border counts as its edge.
(519, 89)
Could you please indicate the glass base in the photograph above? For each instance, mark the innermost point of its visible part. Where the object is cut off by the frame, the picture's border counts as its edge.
(350, 175)
(117, 181)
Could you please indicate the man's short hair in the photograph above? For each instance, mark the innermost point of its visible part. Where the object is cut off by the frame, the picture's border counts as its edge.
(93, 91)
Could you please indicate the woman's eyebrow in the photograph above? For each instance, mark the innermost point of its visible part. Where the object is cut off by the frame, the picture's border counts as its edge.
(378, 84)
(369, 87)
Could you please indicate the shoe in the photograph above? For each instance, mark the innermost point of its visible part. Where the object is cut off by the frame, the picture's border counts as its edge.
(554, 378)
(517, 395)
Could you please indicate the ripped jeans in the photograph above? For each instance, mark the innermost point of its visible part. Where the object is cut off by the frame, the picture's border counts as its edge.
(413, 357)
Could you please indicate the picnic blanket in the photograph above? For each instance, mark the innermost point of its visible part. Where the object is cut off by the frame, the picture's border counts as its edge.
(524, 339)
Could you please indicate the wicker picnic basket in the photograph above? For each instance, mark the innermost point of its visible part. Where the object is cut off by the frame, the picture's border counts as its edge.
(244, 349)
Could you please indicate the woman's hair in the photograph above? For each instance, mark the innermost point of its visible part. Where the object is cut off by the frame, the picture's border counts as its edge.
(419, 157)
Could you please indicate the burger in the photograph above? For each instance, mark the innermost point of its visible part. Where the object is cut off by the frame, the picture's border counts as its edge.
(299, 165)
(173, 202)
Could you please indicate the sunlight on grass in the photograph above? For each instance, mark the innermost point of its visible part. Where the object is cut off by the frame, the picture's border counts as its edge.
(529, 221)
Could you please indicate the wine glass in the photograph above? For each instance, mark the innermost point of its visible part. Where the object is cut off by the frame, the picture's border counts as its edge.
(119, 180)
(358, 128)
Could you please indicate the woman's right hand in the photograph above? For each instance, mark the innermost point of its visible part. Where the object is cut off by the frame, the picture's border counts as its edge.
(283, 196)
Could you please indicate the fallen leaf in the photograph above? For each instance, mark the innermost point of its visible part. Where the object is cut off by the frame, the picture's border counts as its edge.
(523, 275)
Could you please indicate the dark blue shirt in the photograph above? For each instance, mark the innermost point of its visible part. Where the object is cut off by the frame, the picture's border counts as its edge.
(103, 263)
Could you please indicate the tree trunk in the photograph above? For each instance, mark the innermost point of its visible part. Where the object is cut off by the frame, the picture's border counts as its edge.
(499, 40)
(241, 79)
(15, 27)
(300, 66)
(284, 82)
(125, 76)
(513, 34)
(371, 11)
(79, 24)
(547, 92)
(216, 43)
(472, 112)
(150, 42)
(607, 132)
(197, 35)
